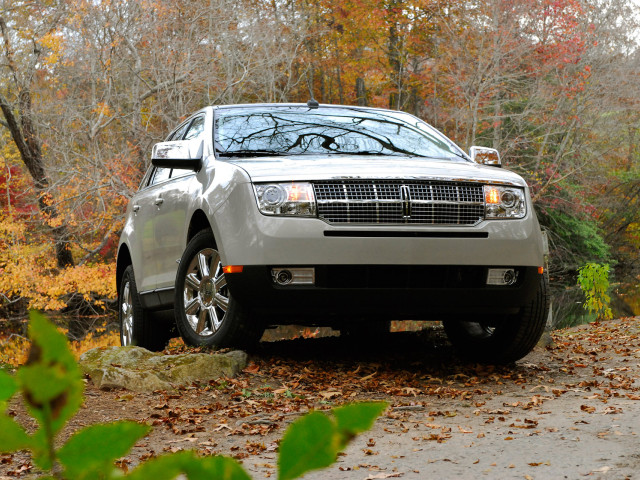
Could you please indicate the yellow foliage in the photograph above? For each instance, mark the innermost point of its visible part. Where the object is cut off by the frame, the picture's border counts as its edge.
(102, 109)
(14, 349)
(28, 267)
(98, 339)
(28, 272)
(53, 42)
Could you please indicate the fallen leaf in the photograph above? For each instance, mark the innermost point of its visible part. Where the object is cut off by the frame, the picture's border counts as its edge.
(603, 469)
(330, 395)
(587, 408)
(376, 476)
(611, 410)
(252, 368)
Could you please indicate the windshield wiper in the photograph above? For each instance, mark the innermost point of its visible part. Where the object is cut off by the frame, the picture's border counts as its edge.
(363, 152)
(250, 153)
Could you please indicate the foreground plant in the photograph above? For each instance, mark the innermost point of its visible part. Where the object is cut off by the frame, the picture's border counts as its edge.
(51, 386)
(593, 279)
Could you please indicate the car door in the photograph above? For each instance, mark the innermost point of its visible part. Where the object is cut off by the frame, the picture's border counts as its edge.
(144, 237)
(172, 216)
(146, 240)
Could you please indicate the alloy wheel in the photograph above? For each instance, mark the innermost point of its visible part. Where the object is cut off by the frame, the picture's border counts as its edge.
(126, 313)
(206, 296)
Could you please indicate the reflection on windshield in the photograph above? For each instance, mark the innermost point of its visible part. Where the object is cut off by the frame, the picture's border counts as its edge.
(299, 131)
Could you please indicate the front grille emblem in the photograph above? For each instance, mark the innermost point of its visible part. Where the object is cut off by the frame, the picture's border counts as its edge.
(399, 202)
(405, 196)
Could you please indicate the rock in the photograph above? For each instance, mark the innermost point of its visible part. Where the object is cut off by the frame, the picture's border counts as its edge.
(546, 340)
(140, 370)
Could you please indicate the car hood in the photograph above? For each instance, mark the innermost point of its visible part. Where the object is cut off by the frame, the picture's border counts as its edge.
(305, 167)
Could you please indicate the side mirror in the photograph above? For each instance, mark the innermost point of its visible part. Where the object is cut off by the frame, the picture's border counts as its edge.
(181, 154)
(485, 156)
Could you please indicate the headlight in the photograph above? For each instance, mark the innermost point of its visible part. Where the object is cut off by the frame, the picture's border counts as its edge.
(286, 199)
(504, 202)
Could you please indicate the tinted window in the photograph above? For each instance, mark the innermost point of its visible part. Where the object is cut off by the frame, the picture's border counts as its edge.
(249, 131)
(196, 129)
(160, 175)
(179, 133)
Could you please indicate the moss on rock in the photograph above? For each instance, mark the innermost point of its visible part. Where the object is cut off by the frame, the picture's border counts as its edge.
(140, 370)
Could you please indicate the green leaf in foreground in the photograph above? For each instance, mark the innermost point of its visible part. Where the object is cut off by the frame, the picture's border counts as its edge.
(94, 449)
(315, 440)
(50, 380)
(309, 443)
(220, 468)
(166, 467)
(359, 417)
(12, 436)
(8, 387)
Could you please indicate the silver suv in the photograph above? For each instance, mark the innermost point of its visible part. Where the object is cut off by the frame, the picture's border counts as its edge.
(257, 215)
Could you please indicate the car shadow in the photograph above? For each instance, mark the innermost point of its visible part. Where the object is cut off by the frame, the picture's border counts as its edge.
(425, 351)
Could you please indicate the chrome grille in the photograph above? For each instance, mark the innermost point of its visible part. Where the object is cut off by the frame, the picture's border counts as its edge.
(399, 202)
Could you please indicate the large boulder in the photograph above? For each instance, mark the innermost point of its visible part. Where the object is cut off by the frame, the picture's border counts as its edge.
(140, 370)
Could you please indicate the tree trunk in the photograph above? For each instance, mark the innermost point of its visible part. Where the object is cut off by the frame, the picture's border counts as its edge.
(28, 145)
(361, 92)
(393, 101)
(497, 124)
(631, 131)
(394, 62)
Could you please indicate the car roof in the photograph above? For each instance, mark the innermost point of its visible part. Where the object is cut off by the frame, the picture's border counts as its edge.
(303, 105)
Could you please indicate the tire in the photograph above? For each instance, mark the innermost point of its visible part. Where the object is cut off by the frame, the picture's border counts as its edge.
(506, 341)
(137, 325)
(206, 313)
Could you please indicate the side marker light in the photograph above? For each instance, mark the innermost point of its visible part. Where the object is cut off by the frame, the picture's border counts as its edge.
(232, 269)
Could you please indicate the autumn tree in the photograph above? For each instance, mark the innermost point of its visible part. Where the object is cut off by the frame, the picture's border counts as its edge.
(88, 87)
(25, 36)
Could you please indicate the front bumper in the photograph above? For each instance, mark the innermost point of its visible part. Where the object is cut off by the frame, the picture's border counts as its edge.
(247, 237)
(394, 292)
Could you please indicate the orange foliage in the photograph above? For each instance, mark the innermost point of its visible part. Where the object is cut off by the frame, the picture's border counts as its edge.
(27, 257)
(502, 73)
(99, 339)
(14, 349)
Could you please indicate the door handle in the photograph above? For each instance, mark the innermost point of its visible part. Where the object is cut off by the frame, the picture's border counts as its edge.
(159, 201)
(136, 208)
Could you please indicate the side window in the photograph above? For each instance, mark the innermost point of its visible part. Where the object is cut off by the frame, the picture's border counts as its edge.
(179, 133)
(160, 175)
(196, 129)
(193, 129)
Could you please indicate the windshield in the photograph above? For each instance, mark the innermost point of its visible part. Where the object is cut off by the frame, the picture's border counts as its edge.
(295, 130)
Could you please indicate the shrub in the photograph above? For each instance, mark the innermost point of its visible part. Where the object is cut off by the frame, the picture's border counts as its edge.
(593, 279)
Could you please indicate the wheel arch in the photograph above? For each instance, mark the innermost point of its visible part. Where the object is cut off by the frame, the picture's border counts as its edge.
(199, 221)
(123, 261)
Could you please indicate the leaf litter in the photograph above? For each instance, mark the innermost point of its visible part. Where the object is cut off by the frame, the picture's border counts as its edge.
(417, 372)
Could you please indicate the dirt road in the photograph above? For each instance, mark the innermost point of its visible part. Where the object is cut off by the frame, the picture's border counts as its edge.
(568, 411)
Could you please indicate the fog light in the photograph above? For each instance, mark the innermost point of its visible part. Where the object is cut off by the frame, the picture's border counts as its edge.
(293, 276)
(502, 276)
(283, 277)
